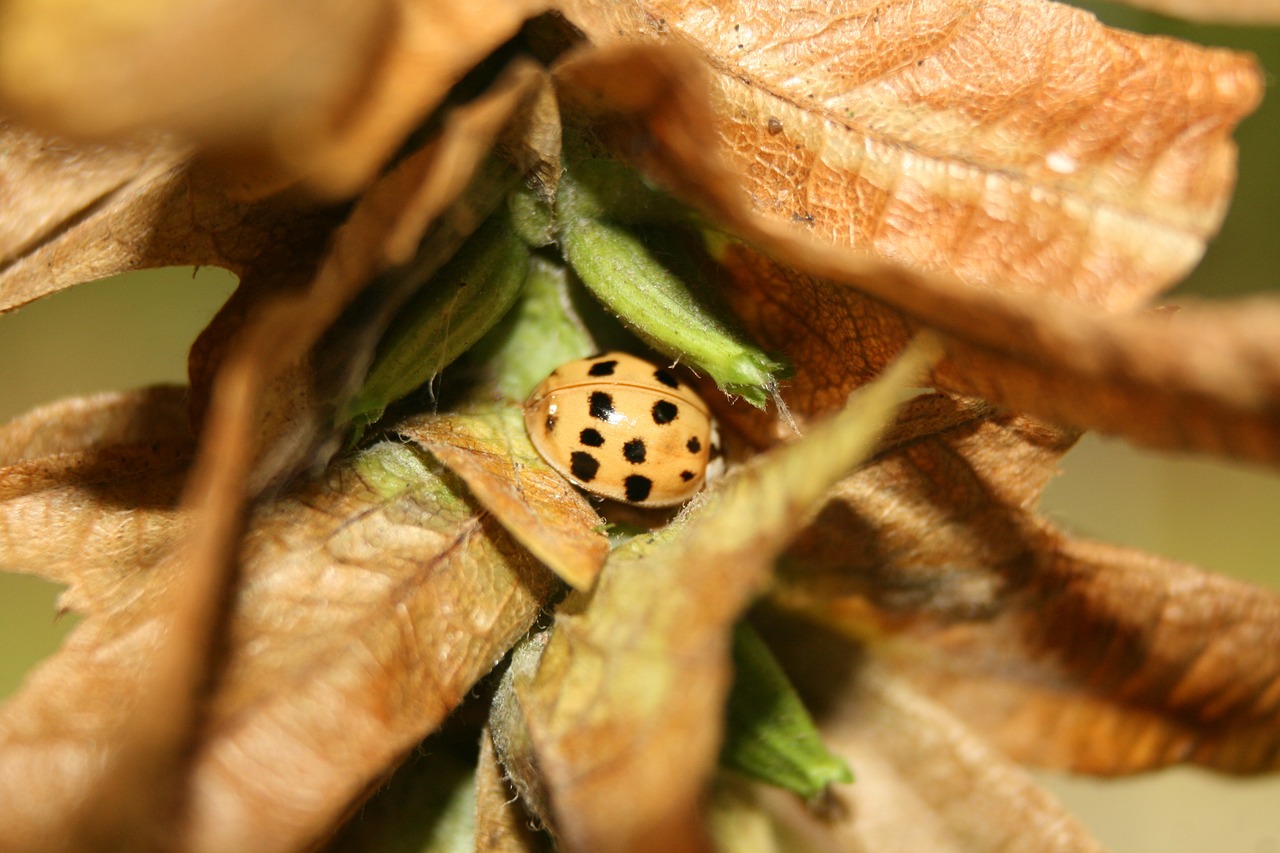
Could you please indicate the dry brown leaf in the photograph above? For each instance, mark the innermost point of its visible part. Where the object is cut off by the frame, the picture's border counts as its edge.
(138, 798)
(59, 190)
(45, 181)
(327, 92)
(160, 211)
(90, 487)
(1067, 654)
(106, 70)
(1110, 661)
(490, 450)
(430, 47)
(156, 414)
(98, 518)
(934, 528)
(368, 605)
(1204, 377)
(1010, 143)
(429, 188)
(925, 782)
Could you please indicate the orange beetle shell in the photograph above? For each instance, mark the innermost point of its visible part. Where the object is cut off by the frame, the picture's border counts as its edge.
(623, 428)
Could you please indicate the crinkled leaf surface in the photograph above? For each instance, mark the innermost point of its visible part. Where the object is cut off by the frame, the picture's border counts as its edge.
(925, 782)
(369, 602)
(1066, 653)
(1007, 142)
(1111, 661)
(489, 449)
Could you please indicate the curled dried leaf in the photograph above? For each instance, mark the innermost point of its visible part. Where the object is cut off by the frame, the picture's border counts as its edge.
(490, 451)
(925, 782)
(970, 139)
(326, 95)
(1111, 661)
(369, 604)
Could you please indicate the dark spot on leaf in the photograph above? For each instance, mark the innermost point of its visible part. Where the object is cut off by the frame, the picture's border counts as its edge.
(664, 376)
(693, 444)
(603, 368)
(633, 450)
(583, 465)
(601, 405)
(664, 412)
(637, 487)
(591, 437)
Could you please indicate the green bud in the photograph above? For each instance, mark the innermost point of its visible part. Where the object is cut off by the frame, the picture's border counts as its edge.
(663, 308)
(769, 735)
(452, 311)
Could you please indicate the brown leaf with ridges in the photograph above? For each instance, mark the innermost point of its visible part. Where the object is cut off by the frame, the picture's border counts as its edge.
(369, 604)
(159, 209)
(1110, 661)
(489, 449)
(89, 490)
(924, 781)
(972, 139)
(82, 423)
(1067, 654)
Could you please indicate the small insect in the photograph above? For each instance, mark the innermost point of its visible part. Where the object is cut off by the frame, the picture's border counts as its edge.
(625, 429)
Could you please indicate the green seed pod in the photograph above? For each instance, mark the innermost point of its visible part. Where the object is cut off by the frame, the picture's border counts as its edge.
(768, 733)
(448, 315)
(655, 302)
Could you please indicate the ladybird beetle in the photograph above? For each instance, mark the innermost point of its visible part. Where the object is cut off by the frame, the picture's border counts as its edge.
(623, 428)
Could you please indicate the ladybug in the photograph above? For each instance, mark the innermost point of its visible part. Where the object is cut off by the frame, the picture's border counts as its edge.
(622, 428)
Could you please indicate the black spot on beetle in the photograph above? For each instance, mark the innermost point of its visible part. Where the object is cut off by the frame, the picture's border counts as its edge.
(637, 487)
(664, 412)
(693, 444)
(603, 368)
(666, 378)
(551, 424)
(601, 405)
(591, 437)
(686, 475)
(583, 465)
(633, 450)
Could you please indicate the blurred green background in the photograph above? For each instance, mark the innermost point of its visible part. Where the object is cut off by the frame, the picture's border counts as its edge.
(135, 330)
